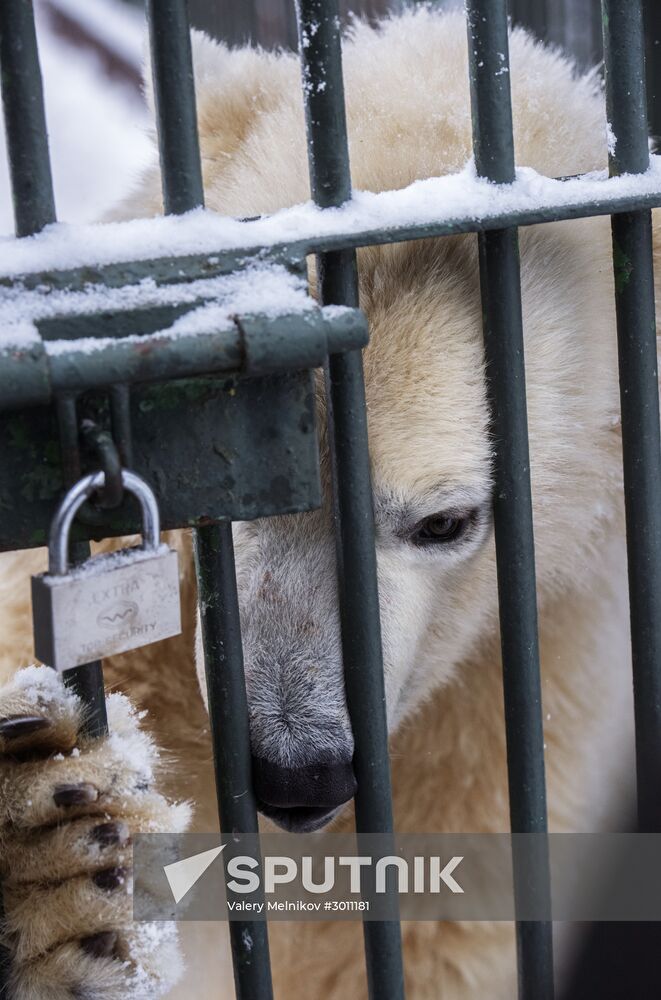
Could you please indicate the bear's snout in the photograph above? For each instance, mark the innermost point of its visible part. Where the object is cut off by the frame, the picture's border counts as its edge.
(305, 798)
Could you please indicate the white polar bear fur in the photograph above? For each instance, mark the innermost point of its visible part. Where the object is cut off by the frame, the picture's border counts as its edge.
(409, 118)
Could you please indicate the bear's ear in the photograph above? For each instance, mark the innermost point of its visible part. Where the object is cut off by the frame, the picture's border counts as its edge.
(233, 87)
(209, 59)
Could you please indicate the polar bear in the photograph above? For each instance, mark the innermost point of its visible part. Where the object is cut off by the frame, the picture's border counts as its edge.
(69, 808)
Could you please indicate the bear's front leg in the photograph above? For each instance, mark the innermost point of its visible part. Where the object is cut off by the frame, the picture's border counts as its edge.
(68, 809)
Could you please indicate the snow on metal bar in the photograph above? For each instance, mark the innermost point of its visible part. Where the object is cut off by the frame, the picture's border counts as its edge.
(253, 322)
(437, 206)
(268, 289)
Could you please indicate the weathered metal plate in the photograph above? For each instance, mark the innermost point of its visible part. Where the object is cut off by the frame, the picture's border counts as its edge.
(210, 448)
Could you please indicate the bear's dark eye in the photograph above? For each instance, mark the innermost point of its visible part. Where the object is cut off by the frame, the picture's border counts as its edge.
(439, 529)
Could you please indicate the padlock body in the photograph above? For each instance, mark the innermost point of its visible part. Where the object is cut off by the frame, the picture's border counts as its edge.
(108, 605)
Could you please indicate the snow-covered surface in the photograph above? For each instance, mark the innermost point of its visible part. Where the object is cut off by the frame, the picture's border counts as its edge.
(40, 685)
(97, 126)
(437, 200)
(268, 289)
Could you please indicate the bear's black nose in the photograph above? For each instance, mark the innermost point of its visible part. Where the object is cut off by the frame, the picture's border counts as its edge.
(319, 785)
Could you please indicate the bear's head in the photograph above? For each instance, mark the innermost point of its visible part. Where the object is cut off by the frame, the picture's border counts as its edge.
(430, 447)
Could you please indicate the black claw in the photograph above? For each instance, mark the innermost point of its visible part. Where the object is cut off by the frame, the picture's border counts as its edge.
(12, 727)
(100, 945)
(110, 879)
(75, 795)
(110, 834)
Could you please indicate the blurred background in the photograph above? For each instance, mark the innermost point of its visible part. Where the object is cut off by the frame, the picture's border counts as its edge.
(92, 54)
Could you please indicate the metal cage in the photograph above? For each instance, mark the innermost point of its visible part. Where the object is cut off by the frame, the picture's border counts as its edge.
(54, 389)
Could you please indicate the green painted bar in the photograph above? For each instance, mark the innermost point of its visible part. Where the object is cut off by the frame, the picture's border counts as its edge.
(626, 100)
(652, 15)
(25, 120)
(513, 523)
(641, 440)
(174, 270)
(330, 181)
(174, 93)
(87, 679)
(230, 734)
(221, 631)
(252, 345)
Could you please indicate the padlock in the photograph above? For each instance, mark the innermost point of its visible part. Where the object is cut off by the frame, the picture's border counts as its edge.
(112, 602)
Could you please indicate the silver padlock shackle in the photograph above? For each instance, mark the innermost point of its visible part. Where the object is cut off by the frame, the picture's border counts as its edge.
(58, 541)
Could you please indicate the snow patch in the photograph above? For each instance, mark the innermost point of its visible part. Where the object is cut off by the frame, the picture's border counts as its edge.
(441, 200)
(39, 684)
(611, 139)
(268, 289)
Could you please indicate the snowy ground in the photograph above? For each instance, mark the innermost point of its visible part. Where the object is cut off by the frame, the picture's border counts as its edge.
(96, 126)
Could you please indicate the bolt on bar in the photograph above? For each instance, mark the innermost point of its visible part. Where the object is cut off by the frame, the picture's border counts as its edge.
(337, 277)
(503, 344)
(639, 393)
(25, 119)
(221, 629)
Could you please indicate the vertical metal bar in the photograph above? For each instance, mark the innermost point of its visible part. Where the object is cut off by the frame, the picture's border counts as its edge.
(174, 94)
(120, 416)
(230, 734)
(25, 119)
(503, 343)
(87, 679)
(653, 61)
(641, 443)
(214, 552)
(330, 179)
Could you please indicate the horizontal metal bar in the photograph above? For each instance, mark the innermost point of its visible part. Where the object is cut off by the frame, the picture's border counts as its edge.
(253, 345)
(166, 270)
(639, 392)
(230, 735)
(500, 282)
(25, 119)
(330, 182)
(174, 95)
(161, 270)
